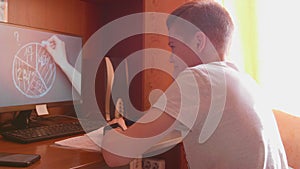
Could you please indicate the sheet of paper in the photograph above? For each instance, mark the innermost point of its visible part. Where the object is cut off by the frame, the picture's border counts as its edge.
(89, 141)
(41, 109)
(79, 142)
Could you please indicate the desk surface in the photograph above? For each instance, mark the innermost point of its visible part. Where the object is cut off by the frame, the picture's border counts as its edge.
(52, 156)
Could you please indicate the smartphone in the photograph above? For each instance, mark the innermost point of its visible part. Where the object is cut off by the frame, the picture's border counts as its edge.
(18, 160)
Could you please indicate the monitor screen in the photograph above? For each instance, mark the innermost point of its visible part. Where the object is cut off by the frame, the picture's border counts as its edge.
(29, 75)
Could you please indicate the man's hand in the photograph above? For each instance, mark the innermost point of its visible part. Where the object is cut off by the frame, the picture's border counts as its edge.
(56, 48)
(119, 121)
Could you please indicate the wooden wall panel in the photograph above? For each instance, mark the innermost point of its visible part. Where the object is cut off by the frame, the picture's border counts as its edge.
(122, 50)
(155, 79)
(56, 15)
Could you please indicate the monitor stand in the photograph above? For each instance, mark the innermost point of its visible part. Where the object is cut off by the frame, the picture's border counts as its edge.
(25, 119)
(22, 120)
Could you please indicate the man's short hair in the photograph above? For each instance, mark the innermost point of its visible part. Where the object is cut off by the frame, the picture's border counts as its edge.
(211, 18)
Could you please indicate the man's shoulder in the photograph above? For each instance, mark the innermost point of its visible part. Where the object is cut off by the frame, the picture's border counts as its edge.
(216, 65)
(211, 70)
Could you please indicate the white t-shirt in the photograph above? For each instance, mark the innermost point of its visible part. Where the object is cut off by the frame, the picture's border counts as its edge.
(230, 124)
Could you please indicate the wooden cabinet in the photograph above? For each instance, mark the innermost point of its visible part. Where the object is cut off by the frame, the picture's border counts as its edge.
(55, 15)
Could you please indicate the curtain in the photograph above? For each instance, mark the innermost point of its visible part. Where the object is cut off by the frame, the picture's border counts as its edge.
(246, 19)
(244, 50)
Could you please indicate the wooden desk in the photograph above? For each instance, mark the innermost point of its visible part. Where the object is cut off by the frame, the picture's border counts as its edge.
(52, 157)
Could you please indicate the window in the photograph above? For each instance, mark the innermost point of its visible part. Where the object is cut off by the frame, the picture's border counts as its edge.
(279, 31)
(274, 65)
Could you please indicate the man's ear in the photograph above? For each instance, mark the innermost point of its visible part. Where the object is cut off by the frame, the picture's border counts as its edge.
(200, 38)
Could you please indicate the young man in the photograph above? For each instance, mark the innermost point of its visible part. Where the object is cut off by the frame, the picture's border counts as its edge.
(223, 113)
(245, 134)
(232, 127)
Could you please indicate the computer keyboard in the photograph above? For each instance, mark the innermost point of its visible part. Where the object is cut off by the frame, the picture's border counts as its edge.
(34, 134)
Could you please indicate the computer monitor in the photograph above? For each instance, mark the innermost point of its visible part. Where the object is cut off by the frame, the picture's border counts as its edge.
(28, 73)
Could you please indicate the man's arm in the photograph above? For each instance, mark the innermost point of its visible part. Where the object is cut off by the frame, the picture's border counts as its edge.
(56, 48)
(182, 96)
(119, 148)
